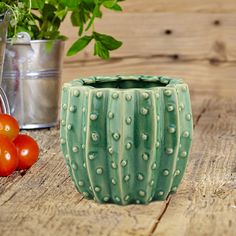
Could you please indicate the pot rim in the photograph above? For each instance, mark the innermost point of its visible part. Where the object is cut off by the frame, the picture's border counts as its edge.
(163, 81)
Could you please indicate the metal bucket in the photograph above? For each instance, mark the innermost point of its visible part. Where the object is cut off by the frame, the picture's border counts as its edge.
(32, 79)
(4, 19)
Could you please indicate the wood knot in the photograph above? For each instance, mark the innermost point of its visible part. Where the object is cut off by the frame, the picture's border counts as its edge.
(216, 22)
(175, 56)
(214, 61)
(168, 31)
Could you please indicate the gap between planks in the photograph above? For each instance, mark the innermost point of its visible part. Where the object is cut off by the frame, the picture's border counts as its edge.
(165, 207)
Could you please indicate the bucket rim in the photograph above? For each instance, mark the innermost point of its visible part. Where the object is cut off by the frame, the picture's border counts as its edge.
(9, 41)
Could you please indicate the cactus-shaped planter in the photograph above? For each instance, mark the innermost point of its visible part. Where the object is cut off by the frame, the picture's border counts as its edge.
(126, 139)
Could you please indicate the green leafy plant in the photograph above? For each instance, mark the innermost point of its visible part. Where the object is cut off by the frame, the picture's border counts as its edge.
(42, 19)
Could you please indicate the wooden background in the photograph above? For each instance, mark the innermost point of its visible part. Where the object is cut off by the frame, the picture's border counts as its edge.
(191, 39)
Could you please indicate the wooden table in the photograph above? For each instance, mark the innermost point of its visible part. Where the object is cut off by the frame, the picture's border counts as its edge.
(43, 201)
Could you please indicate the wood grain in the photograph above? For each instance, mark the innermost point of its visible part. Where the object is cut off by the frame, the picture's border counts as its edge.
(212, 6)
(205, 203)
(218, 80)
(197, 50)
(192, 36)
(43, 201)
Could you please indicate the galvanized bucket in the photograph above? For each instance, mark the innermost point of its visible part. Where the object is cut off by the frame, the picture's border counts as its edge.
(4, 19)
(32, 79)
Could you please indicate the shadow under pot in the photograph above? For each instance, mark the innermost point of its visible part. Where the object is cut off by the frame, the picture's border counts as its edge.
(126, 139)
(32, 79)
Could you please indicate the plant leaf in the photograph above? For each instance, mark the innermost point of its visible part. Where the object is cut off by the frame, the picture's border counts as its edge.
(108, 41)
(117, 7)
(97, 12)
(112, 4)
(37, 4)
(61, 14)
(48, 12)
(101, 51)
(79, 17)
(75, 18)
(79, 45)
(70, 3)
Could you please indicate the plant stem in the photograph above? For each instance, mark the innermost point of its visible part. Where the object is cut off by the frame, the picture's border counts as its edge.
(93, 27)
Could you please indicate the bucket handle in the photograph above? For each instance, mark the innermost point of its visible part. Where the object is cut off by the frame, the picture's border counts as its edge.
(7, 16)
(4, 104)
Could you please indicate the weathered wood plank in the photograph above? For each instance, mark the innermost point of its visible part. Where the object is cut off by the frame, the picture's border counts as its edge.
(197, 49)
(205, 202)
(179, 6)
(191, 36)
(202, 77)
(43, 201)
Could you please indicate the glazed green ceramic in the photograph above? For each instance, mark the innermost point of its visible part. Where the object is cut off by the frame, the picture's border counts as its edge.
(126, 139)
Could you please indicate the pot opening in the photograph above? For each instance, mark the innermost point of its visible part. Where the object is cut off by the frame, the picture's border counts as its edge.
(126, 84)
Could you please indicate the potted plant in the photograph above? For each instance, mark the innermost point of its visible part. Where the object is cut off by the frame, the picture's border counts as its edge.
(33, 59)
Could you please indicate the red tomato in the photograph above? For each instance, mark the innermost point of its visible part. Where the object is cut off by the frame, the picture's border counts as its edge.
(27, 151)
(8, 126)
(8, 156)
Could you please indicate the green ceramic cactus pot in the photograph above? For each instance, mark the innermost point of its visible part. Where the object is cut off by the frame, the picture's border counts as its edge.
(126, 139)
